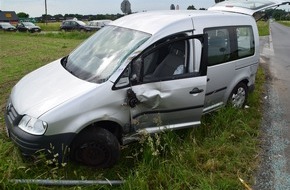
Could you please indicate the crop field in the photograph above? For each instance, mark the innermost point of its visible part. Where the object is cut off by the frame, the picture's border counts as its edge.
(220, 154)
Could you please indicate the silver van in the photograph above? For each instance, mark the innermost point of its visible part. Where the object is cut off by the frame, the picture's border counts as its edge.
(170, 65)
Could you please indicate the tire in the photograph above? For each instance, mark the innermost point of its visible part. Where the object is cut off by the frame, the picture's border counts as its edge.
(239, 96)
(96, 147)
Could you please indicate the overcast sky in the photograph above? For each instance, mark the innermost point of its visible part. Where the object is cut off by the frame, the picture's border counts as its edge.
(36, 8)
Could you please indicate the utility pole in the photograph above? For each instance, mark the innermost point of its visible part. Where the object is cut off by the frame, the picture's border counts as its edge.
(45, 16)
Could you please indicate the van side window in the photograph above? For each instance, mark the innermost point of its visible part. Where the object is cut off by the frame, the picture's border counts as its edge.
(219, 49)
(246, 45)
(229, 43)
(165, 62)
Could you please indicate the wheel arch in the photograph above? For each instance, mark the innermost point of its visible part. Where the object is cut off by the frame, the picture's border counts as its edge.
(233, 85)
(238, 98)
(111, 126)
(95, 146)
(245, 81)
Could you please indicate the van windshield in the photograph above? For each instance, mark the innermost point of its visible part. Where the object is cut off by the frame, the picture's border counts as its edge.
(98, 57)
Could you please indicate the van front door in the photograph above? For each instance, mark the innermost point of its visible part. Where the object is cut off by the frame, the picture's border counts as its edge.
(167, 92)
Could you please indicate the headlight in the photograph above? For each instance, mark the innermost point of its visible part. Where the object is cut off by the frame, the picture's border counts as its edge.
(32, 125)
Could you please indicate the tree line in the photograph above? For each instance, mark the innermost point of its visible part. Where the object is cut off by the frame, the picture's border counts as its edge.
(277, 14)
(60, 17)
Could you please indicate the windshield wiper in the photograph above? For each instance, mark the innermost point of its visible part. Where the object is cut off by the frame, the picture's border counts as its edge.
(64, 61)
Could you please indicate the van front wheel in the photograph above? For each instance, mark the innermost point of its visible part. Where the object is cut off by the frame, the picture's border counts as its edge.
(96, 147)
(239, 95)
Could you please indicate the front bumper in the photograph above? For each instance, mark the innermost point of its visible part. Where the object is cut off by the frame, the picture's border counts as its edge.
(30, 144)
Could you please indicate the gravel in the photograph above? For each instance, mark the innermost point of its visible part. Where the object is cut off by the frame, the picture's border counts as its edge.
(272, 172)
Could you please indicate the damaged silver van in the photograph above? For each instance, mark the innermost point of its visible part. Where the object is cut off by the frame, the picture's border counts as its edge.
(170, 65)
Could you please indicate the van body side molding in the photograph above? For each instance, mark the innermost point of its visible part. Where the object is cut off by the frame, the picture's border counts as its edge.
(167, 111)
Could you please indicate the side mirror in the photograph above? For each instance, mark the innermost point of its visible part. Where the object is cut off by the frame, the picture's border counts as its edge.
(131, 75)
(124, 80)
(135, 73)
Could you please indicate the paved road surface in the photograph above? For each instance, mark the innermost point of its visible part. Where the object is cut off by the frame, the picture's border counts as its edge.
(275, 56)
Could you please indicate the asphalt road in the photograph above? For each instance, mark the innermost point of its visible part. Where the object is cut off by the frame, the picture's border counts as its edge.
(274, 171)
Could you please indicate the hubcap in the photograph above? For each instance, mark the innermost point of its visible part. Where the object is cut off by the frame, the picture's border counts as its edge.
(239, 98)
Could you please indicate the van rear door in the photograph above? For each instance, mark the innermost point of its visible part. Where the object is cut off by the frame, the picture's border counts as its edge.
(248, 7)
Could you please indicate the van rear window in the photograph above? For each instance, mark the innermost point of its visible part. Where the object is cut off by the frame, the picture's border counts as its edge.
(229, 43)
(246, 46)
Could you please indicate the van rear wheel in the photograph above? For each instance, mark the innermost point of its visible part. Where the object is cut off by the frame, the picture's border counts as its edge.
(239, 95)
(96, 147)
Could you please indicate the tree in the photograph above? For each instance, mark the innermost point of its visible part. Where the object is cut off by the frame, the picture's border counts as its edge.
(58, 17)
(277, 14)
(23, 15)
(191, 7)
(172, 7)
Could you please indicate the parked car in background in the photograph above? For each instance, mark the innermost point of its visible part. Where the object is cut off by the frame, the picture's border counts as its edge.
(99, 23)
(71, 25)
(28, 26)
(6, 26)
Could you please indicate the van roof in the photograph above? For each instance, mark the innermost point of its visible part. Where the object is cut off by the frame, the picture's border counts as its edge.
(172, 21)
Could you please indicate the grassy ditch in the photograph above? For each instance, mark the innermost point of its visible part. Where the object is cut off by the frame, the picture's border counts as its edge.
(263, 27)
(286, 23)
(216, 155)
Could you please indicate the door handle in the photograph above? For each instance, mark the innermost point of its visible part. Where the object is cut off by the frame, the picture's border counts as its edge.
(196, 91)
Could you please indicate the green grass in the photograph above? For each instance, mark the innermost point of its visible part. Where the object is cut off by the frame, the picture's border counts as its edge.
(212, 156)
(286, 23)
(263, 27)
(51, 26)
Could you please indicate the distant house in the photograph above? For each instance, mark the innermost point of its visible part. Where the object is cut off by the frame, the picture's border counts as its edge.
(9, 16)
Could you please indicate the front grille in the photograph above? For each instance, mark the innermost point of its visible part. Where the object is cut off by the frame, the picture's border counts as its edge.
(12, 115)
